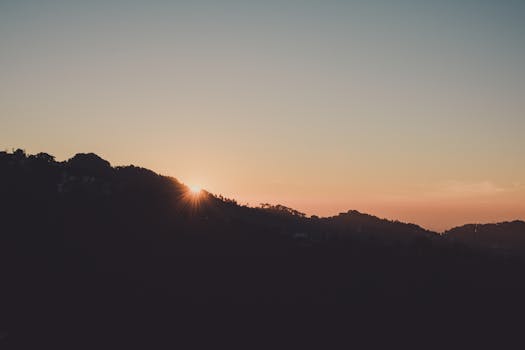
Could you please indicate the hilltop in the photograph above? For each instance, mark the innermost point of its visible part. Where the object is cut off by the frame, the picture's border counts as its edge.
(86, 180)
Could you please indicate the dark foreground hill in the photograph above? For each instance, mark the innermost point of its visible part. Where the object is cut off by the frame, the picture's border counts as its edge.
(94, 256)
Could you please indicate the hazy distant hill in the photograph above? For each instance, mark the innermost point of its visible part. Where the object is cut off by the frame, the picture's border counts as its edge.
(504, 237)
(368, 226)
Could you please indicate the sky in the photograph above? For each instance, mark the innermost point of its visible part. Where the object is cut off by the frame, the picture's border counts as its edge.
(409, 110)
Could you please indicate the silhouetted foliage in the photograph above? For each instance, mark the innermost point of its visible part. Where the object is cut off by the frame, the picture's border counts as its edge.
(281, 209)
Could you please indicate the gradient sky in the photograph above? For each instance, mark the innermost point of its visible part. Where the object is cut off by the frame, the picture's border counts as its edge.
(410, 110)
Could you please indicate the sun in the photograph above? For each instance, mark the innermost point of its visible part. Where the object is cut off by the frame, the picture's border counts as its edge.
(193, 197)
(195, 189)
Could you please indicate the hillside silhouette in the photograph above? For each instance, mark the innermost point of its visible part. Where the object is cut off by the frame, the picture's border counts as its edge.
(95, 253)
(505, 237)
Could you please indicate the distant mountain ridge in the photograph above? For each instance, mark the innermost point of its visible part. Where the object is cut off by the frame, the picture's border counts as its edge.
(86, 174)
(91, 175)
(505, 237)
